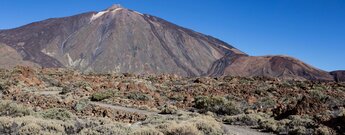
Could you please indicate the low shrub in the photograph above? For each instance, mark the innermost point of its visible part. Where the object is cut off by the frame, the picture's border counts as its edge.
(269, 125)
(65, 90)
(322, 131)
(304, 121)
(81, 104)
(106, 129)
(207, 125)
(319, 95)
(138, 96)
(217, 105)
(168, 109)
(8, 108)
(146, 131)
(31, 128)
(182, 129)
(245, 119)
(99, 96)
(31, 125)
(266, 102)
(56, 113)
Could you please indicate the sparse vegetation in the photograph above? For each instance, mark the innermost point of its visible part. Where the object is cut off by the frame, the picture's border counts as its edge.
(217, 105)
(99, 96)
(81, 105)
(138, 96)
(8, 108)
(168, 109)
(294, 107)
(56, 113)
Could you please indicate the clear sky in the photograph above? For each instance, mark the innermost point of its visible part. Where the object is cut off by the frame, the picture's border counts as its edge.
(310, 30)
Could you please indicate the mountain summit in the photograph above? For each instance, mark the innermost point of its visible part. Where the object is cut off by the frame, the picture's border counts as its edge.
(122, 40)
(115, 6)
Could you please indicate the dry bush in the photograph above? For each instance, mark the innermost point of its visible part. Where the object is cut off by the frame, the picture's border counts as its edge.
(207, 125)
(146, 131)
(56, 113)
(107, 129)
(217, 105)
(185, 124)
(8, 108)
(31, 128)
(34, 125)
(323, 131)
(245, 119)
(181, 129)
(168, 109)
(99, 96)
(81, 105)
(139, 96)
(28, 124)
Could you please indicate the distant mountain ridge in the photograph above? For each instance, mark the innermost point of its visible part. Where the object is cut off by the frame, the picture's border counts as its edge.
(339, 75)
(122, 40)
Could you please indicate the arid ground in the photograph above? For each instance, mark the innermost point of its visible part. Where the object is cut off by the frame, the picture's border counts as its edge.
(62, 101)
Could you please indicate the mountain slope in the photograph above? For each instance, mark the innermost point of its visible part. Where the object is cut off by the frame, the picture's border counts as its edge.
(10, 58)
(339, 75)
(273, 66)
(123, 40)
(117, 40)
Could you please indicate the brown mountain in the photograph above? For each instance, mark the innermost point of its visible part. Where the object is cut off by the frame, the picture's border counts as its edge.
(339, 75)
(122, 40)
(273, 66)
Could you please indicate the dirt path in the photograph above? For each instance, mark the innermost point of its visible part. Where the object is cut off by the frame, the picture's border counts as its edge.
(229, 129)
(47, 92)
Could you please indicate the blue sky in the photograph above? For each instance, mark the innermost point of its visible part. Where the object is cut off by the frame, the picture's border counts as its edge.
(310, 30)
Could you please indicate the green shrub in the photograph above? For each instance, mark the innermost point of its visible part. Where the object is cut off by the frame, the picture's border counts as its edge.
(99, 96)
(322, 131)
(168, 109)
(8, 108)
(138, 96)
(177, 97)
(31, 125)
(207, 125)
(304, 121)
(81, 104)
(2, 85)
(56, 113)
(108, 129)
(267, 102)
(230, 108)
(65, 90)
(269, 125)
(31, 128)
(182, 129)
(245, 119)
(217, 105)
(146, 131)
(318, 95)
